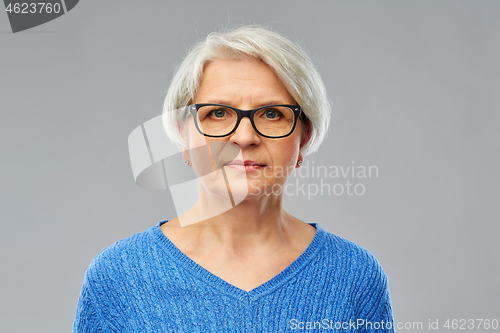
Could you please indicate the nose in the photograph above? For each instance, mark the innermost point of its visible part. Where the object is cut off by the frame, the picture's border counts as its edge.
(245, 135)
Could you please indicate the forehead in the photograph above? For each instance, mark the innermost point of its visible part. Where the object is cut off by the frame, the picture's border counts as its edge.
(247, 81)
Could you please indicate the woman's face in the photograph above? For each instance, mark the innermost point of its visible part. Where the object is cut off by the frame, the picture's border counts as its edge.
(265, 163)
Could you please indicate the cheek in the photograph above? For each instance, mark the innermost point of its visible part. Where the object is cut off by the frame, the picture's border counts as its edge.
(209, 153)
(194, 138)
(286, 154)
(293, 146)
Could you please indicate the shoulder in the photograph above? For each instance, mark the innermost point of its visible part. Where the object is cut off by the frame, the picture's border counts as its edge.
(122, 256)
(356, 277)
(112, 281)
(361, 273)
(354, 260)
(126, 247)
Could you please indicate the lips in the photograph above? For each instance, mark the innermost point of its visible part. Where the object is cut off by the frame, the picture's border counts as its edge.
(246, 165)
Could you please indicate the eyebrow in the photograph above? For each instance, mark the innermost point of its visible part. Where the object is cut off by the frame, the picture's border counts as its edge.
(228, 103)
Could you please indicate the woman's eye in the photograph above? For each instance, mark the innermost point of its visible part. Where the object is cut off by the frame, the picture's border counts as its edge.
(219, 113)
(271, 114)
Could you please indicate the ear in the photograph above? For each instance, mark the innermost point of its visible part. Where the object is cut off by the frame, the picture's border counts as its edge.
(185, 154)
(299, 161)
(306, 130)
(182, 131)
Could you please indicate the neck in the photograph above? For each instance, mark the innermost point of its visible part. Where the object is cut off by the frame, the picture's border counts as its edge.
(247, 225)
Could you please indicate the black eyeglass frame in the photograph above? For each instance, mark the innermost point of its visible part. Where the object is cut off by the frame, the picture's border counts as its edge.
(297, 112)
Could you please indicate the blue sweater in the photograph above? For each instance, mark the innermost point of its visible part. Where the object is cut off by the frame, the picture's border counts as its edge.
(144, 283)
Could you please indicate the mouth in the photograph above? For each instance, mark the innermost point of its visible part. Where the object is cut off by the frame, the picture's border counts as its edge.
(245, 165)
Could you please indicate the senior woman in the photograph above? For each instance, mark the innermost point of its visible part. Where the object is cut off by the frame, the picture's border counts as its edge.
(255, 104)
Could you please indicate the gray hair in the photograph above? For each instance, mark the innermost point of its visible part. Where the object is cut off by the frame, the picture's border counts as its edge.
(290, 62)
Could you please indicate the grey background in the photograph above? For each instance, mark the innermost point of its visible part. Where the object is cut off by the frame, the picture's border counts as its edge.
(415, 91)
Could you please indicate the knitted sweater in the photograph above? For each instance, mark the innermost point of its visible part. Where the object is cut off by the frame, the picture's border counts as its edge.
(144, 283)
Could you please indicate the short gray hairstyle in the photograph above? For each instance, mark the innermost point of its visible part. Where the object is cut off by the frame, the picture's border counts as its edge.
(290, 62)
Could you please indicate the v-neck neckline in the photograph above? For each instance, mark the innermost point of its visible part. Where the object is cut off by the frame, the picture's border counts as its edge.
(225, 287)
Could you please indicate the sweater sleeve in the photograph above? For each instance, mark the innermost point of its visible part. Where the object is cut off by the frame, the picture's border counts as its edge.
(374, 302)
(87, 318)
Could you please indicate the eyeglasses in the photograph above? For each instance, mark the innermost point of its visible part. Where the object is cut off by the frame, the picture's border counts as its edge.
(270, 121)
